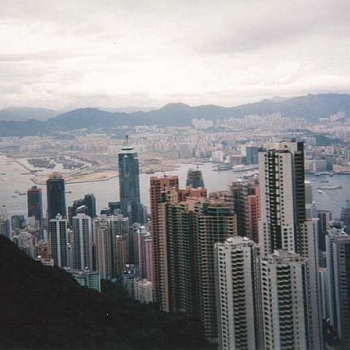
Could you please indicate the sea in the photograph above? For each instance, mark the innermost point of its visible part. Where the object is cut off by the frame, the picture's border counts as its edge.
(15, 179)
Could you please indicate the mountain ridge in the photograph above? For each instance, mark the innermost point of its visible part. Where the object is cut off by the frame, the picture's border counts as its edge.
(310, 107)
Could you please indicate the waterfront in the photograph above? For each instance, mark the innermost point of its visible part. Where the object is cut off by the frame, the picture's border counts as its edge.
(13, 177)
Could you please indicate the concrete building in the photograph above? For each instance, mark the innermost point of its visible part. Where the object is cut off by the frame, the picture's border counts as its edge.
(58, 241)
(145, 254)
(157, 187)
(283, 292)
(82, 242)
(87, 278)
(246, 204)
(332, 276)
(283, 224)
(237, 294)
(342, 259)
(129, 185)
(143, 291)
(35, 204)
(103, 249)
(56, 197)
(213, 222)
(120, 255)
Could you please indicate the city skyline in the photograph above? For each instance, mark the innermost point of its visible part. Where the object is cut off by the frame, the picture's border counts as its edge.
(146, 55)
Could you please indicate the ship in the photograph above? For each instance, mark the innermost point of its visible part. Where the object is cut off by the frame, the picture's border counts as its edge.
(222, 167)
(239, 168)
(330, 187)
(319, 191)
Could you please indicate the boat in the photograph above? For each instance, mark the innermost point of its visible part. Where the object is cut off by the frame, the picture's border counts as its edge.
(222, 167)
(241, 167)
(330, 187)
(319, 191)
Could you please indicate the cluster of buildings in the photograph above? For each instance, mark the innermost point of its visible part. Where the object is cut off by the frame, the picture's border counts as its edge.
(257, 264)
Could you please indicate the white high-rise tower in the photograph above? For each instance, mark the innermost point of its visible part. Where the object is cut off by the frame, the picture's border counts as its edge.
(284, 226)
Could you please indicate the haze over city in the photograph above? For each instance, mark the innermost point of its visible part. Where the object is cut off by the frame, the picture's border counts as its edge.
(116, 54)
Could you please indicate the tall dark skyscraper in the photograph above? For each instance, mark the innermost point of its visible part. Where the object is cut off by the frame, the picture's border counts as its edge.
(194, 178)
(56, 199)
(129, 185)
(35, 203)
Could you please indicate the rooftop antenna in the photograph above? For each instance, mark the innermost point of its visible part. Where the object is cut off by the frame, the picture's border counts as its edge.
(127, 139)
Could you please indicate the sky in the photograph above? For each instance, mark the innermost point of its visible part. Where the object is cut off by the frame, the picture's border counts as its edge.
(63, 54)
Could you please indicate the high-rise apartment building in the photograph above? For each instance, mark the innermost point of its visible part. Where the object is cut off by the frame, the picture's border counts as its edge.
(5, 223)
(324, 219)
(158, 186)
(332, 275)
(282, 195)
(237, 292)
(120, 255)
(129, 185)
(185, 227)
(342, 259)
(82, 242)
(35, 203)
(145, 259)
(56, 197)
(86, 205)
(58, 241)
(283, 224)
(245, 201)
(284, 300)
(213, 222)
(103, 248)
(345, 216)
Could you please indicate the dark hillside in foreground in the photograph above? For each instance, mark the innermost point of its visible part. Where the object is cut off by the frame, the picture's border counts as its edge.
(44, 308)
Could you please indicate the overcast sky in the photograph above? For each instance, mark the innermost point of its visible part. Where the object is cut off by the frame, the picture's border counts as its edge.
(64, 54)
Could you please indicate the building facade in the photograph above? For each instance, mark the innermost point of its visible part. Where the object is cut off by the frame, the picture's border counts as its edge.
(58, 241)
(35, 203)
(238, 304)
(129, 185)
(56, 197)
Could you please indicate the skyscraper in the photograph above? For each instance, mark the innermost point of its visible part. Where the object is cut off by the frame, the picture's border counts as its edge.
(82, 242)
(35, 203)
(157, 186)
(213, 222)
(104, 251)
(245, 200)
(237, 283)
(332, 275)
(5, 223)
(284, 301)
(145, 254)
(283, 224)
(129, 185)
(56, 198)
(58, 241)
(194, 178)
(282, 189)
(342, 258)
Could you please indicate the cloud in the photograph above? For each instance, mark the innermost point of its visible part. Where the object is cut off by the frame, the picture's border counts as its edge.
(127, 52)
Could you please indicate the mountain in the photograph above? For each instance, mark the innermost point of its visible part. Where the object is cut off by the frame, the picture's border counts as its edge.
(310, 107)
(45, 308)
(12, 114)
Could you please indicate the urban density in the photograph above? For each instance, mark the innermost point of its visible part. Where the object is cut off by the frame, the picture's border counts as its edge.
(256, 262)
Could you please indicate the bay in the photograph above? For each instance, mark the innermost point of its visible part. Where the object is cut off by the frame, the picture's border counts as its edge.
(13, 178)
